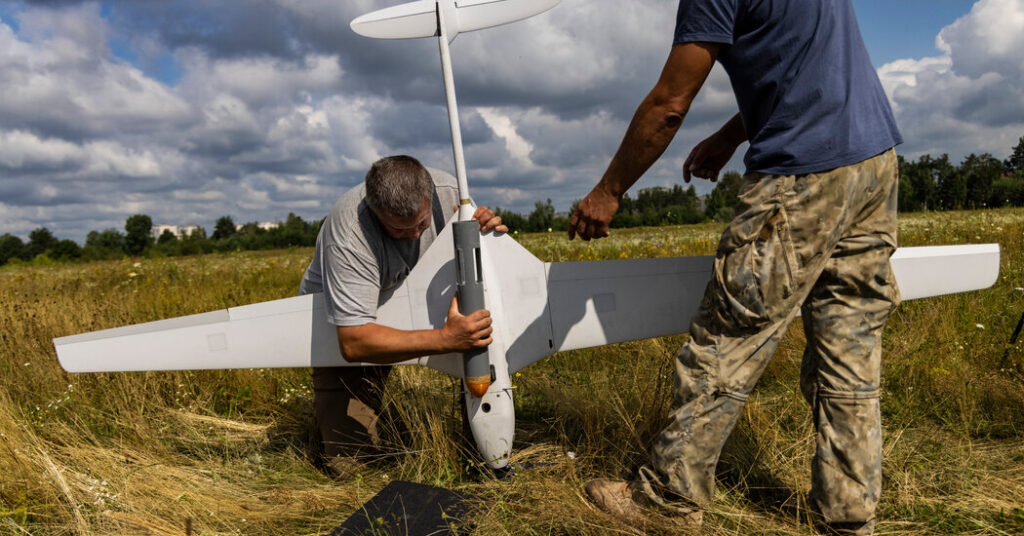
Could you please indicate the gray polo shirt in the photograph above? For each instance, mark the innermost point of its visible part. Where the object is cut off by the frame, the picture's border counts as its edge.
(356, 261)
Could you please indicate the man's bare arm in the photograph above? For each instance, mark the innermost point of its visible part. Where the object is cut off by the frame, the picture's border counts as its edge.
(381, 345)
(374, 343)
(654, 124)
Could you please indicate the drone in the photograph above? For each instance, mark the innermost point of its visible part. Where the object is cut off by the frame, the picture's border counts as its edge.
(538, 308)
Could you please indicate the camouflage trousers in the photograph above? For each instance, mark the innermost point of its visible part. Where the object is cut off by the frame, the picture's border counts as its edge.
(819, 244)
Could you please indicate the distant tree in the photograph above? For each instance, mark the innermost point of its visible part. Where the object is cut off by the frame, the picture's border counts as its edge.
(138, 234)
(11, 247)
(918, 174)
(39, 241)
(653, 199)
(721, 202)
(980, 173)
(294, 232)
(649, 217)
(251, 229)
(198, 234)
(513, 220)
(690, 203)
(1008, 191)
(65, 250)
(627, 205)
(685, 207)
(542, 217)
(224, 228)
(1015, 164)
(294, 221)
(111, 239)
(195, 243)
(952, 186)
(624, 219)
(166, 237)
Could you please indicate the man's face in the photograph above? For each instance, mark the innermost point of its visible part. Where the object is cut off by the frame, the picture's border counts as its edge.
(406, 228)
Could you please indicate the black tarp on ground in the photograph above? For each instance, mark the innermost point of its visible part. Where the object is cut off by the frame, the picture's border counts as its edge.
(409, 509)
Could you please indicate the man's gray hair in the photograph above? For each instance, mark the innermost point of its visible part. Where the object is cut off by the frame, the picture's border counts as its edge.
(397, 185)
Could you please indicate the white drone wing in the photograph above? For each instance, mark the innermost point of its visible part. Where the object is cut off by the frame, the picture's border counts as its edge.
(292, 332)
(548, 307)
(605, 302)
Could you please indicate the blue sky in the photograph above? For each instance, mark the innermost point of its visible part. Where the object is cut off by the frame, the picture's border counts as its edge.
(190, 110)
(895, 29)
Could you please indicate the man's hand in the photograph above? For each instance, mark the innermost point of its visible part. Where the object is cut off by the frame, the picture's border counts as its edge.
(707, 159)
(488, 221)
(593, 214)
(462, 333)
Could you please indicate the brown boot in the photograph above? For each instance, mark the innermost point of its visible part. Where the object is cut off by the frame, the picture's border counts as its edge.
(625, 502)
(618, 499)
(343, 467)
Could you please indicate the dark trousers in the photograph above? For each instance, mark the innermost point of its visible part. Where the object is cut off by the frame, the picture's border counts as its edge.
(348, 402)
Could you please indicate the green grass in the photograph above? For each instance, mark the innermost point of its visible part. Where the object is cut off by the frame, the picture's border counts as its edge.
(233, 452)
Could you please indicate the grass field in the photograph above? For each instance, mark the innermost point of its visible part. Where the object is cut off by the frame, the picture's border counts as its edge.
(235, 452)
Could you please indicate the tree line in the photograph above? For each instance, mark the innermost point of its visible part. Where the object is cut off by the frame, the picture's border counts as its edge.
(137, 240)
(652, 206)
(928, 183)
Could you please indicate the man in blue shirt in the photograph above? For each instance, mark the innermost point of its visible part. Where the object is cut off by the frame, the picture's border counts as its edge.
(814, 228)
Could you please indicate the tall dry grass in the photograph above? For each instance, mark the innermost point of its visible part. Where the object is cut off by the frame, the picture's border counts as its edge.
(235, 452)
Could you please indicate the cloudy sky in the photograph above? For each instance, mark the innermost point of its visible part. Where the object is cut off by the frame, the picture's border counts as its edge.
(190, 110)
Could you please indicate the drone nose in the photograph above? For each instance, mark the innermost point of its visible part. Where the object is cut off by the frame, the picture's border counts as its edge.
(478, 386)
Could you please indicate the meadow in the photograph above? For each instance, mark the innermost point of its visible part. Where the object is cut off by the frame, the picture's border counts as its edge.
(235, 452)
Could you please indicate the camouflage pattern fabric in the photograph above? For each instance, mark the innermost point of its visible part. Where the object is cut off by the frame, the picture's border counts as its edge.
(818, 243)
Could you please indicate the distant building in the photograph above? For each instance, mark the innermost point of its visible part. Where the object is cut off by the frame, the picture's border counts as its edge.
(159, 230)
(179, 231)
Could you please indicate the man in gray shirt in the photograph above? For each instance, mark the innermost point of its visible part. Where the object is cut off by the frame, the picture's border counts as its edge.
(367, 245)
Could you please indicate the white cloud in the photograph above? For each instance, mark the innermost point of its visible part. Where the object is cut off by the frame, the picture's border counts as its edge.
(20, 149)
(989, 39)
(971, 97)
(259, 80)
(276, 107)
(517, 147)
(58, 79)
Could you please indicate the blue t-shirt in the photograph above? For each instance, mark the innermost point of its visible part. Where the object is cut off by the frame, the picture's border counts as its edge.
(809, 98)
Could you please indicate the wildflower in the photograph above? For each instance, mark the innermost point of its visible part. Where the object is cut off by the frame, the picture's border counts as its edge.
(979, 326)
(133, 274)
(137, 265)
(571, 455)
